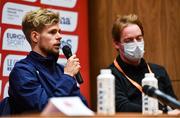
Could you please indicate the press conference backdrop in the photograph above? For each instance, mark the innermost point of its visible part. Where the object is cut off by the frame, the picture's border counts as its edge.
(161, 21)
(13, 45)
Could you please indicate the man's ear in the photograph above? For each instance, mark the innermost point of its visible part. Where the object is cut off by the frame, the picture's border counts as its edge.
(35, 36)
(116, 44)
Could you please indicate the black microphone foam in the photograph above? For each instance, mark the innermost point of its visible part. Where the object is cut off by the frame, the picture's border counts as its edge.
(164, 98)
(67, 52)
(148, 90)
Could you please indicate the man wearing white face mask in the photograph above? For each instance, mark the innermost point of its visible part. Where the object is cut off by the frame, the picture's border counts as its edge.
(134, 51)
(129, 66)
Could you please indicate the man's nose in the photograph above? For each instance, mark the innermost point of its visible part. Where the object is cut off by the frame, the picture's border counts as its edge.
(135, 40)
(58, 36)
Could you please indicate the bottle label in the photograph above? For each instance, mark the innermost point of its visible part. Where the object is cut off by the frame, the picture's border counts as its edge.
(149, 104)
(106, 97)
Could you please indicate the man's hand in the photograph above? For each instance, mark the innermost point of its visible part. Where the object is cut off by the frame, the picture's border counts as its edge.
(72, 66)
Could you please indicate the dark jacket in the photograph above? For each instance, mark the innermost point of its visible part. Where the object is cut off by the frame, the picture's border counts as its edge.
(128, 98)
(35, 79)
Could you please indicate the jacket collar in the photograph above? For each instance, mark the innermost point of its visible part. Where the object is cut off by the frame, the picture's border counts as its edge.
(49, 60)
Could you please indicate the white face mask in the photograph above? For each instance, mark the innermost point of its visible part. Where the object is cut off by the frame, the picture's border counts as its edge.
(134, 50)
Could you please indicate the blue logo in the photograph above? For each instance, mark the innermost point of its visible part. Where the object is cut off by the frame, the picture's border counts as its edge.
(65, 21)
(15, 39)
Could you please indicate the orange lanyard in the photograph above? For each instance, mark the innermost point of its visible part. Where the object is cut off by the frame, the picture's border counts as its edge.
(132, 81)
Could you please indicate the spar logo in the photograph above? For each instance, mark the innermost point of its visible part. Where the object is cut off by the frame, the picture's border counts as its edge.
(9, 63)
(60, 3)
(15, 40)
(68, 20)
(71, 41)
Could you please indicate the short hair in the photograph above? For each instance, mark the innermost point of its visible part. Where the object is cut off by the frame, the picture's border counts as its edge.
(37, 20)
(121, 22)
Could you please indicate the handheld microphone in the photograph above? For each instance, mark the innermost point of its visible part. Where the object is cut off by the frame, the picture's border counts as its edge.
(164, 98)
(67, 52)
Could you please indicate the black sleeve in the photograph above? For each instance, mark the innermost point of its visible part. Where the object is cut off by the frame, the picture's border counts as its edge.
(164, 82)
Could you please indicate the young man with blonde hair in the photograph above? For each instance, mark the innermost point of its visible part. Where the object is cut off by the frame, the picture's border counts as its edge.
(38, 77)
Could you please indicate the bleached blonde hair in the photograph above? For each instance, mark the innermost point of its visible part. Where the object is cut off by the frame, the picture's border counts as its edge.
(37, 20)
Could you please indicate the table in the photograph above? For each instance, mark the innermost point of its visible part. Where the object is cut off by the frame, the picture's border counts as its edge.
(118, 115)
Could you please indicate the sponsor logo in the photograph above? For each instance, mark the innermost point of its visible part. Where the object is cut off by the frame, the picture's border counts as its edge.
(60, 3)
(9, 62)
(71, 41)
(62, 61)
(14, 39)
(68, 20)
(13, 12)
(65, 21)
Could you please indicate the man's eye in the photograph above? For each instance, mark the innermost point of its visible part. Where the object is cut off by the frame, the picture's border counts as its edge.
(53, 32)
(139, 38)
(128, 40)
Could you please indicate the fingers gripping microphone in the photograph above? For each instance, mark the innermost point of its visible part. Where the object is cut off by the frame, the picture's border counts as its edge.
(164, 98)
(67, 52)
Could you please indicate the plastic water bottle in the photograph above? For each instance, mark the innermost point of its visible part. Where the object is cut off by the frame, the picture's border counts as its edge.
(149, 104)
(106, 92)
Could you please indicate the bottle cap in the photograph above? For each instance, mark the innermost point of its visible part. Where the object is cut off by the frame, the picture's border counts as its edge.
(105, 71)
(149, 74)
